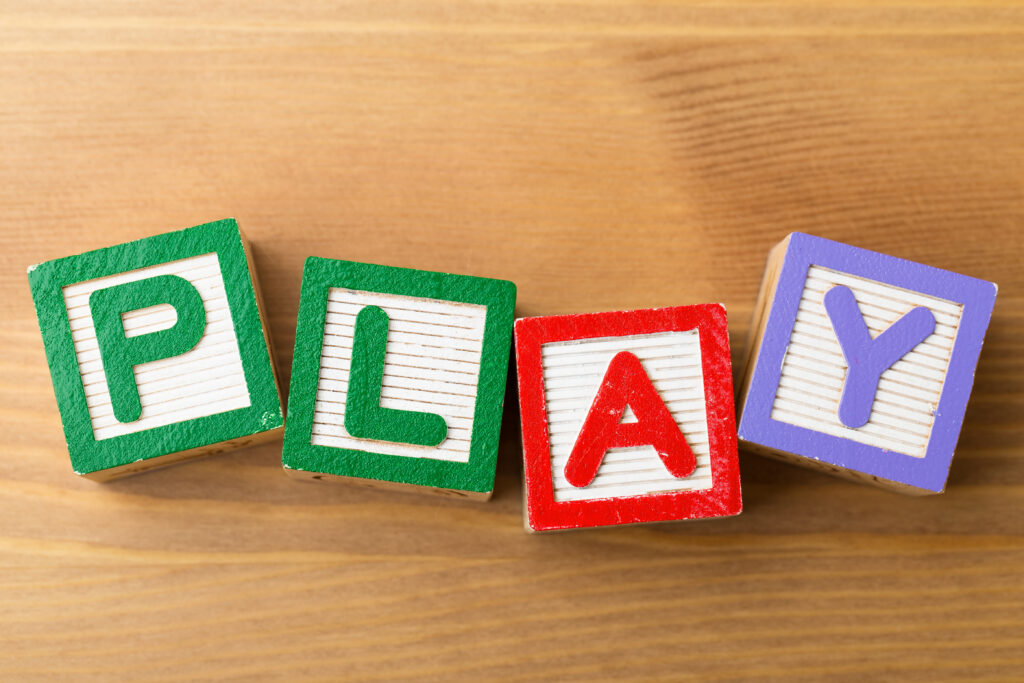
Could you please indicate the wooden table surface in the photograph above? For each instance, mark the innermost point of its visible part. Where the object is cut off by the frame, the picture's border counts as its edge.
(603, 155)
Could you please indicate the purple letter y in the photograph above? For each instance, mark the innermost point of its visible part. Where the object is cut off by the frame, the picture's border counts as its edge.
(868, 358)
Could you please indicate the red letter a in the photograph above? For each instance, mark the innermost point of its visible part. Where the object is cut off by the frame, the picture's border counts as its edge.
(626, 383)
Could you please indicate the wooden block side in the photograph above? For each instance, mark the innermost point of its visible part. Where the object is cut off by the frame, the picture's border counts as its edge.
(384, 485)
(261, 309)
(162, 461)
(835, 470)
(762, 308)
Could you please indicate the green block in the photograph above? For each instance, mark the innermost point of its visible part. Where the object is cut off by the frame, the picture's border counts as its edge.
(398, 378)
(158, 350)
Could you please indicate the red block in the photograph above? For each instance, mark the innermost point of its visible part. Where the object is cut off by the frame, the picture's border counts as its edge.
(627, 417)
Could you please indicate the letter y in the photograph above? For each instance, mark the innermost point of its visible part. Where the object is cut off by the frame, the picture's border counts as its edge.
(868, 358)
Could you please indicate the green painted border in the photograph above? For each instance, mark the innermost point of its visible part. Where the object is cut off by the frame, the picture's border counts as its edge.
(477, 475)
(47, 281)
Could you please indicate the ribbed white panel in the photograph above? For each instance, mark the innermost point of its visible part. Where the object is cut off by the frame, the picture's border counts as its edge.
(432, 365)
(207, 380)
(573, 371)
(814, 368)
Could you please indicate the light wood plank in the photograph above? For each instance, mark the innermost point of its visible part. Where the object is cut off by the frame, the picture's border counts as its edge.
(603, 155)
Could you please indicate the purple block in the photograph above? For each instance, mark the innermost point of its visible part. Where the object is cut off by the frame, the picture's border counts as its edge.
(862, 363)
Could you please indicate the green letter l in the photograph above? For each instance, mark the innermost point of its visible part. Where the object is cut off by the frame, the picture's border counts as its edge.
(364, 416)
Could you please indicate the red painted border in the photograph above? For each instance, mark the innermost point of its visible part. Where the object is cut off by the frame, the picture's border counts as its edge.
(723, 499)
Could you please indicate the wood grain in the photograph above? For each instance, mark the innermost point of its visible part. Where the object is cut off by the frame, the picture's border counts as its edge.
(602, 155)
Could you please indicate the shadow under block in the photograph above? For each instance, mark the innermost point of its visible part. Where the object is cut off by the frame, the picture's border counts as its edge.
(158, 350)
(398, 378)
(627, 417)
(861, 364)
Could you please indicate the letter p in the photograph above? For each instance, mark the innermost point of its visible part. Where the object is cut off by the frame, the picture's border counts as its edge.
(121, 353)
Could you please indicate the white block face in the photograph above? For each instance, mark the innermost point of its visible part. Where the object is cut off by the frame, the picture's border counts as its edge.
(207, 380)
(431, 365)
(814, 369)
(573, 372)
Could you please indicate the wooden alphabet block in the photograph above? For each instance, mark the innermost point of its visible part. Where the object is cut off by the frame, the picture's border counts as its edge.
(157, 350)
(627, 417)
(399, 377)
(861, 364)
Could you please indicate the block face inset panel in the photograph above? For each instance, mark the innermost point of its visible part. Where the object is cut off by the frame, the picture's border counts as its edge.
(157, 350)
(399, 377)
(206, 380)
(432, 364)
(627, 417)
(862, 363)
(573, 372)
(814, 369)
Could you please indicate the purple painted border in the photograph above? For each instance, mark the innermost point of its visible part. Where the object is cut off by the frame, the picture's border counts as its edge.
(930, 472)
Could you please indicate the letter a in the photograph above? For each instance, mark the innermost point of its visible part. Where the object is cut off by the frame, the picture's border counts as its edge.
(626, 383)
(868, 358)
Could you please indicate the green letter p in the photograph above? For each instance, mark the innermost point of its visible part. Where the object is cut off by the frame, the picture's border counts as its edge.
(120, 353)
